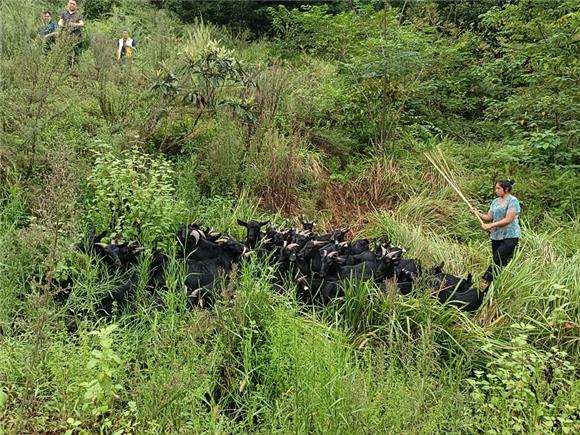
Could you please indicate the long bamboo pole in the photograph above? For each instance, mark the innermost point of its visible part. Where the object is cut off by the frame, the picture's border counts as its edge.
(449, 178)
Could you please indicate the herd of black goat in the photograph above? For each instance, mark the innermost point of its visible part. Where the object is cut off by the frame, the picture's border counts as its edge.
(319, 264)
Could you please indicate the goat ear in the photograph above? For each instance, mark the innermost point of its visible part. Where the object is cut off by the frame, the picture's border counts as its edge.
(100, 236)
(470, 278)
(242, 223)
(264, 223)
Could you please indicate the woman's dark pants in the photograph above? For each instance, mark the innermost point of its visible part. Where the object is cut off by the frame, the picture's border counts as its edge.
(503, 251)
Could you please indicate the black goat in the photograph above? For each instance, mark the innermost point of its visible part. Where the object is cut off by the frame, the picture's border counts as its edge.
(445, 285)
(406, 271)
(254, 231)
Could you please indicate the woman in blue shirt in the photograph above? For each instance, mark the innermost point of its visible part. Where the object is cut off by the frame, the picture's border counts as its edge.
(503, 227)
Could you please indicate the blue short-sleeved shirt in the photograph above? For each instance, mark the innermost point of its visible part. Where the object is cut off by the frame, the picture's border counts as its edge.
(49, 27)
(498, 212)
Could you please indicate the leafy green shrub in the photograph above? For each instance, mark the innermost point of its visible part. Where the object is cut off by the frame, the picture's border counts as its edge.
(94, 9)
(524, 390)
(133, 195)
(103, 389)
(534, 93)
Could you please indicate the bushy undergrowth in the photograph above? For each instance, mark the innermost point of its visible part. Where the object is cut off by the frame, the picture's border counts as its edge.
(330, 124)
(132, 196)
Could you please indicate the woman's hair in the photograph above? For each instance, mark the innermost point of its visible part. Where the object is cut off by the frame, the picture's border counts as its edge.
(506, 185)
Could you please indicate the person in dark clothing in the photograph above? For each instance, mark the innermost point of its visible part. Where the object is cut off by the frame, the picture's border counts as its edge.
(48, 30)
(503, 226)
(72, 21)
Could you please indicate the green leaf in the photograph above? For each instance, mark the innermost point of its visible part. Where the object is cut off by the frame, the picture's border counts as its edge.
(3, 399)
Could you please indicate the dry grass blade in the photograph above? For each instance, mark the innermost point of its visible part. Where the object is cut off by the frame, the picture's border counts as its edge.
(442, 167)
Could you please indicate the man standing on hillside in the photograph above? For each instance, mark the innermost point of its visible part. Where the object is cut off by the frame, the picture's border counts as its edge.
(72, 21)
(48, 31)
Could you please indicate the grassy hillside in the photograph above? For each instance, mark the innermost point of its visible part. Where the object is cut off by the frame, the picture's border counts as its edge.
(327, 118)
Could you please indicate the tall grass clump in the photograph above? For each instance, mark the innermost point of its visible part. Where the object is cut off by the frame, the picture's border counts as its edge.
(13, 208)
(434, 212)
(216, 157)
(543, 292)
(282, 173)
(429, 247)
(286, 372)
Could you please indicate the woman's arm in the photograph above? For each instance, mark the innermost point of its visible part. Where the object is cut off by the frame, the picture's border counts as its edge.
(508, 219)
(484, 217)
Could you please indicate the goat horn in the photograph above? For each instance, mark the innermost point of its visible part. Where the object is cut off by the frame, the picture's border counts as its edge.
(292, 246)
(195, 234)
(222, 240)
(332, 254)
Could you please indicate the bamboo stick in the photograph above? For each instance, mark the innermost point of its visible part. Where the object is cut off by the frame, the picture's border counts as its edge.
(448, 176)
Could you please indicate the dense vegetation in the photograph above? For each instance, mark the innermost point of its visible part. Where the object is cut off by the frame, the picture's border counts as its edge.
(322, 110)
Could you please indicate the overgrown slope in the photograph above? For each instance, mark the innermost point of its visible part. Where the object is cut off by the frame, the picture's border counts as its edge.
(328, 118)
